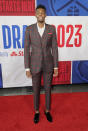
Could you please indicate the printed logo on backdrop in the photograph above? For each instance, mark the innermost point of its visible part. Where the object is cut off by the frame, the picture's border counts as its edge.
(68, 7)
(17, 7)
(12, 40)
(65, 7)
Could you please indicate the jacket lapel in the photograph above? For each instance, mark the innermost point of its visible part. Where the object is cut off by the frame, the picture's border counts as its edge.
(45, 34)
(45, 31)
(36, 32)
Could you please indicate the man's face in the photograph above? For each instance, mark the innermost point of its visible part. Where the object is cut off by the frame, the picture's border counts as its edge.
(40, 15)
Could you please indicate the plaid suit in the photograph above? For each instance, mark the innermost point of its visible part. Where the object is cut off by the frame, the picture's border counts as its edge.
(41, 54)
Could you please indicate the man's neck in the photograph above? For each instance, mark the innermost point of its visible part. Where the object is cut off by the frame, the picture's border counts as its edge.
(41, 24)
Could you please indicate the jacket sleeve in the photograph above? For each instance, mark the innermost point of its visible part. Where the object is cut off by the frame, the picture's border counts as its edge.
(27, 44)
(55, 48)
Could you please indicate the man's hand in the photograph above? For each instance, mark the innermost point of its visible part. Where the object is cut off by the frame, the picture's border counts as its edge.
(55, 74)
(28, 74)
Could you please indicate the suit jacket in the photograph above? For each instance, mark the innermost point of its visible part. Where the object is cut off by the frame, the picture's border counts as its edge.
(40, 52)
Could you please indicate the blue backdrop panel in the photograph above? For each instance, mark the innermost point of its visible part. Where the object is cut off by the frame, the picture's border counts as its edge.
(1, 85)
(65, 7)
(80, 72)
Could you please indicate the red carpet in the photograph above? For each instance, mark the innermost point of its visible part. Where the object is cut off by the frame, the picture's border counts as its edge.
(69, 111)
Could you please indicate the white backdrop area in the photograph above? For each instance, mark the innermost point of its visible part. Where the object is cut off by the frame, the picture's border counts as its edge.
(72, 35)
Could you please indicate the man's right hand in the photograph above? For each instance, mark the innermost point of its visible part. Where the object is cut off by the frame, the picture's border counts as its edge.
(28, 74)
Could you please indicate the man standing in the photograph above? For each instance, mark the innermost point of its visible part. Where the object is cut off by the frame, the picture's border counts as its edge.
(41, 57)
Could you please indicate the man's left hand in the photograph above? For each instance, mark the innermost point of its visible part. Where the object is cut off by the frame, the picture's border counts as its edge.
(55, 74)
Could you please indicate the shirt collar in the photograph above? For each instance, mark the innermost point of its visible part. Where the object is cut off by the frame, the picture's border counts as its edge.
(39, 27)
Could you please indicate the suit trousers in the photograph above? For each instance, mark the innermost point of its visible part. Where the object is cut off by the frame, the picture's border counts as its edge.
(36, 82)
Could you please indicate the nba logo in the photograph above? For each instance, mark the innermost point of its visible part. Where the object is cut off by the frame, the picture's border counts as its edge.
(65, 7)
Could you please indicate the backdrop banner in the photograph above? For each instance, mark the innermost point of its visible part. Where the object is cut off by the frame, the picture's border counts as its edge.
(71, 22)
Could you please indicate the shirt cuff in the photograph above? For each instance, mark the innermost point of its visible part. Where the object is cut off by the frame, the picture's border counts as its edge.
(27, 69)
(55, 67)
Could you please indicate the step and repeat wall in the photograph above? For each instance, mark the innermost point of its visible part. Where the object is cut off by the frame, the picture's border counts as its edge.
(70, 17)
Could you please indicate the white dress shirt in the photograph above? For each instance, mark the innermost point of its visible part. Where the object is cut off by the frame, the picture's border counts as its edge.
(41, 30)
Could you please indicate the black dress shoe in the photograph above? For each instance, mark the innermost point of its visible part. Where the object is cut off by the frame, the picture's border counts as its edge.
(48, 116)
(36, 118)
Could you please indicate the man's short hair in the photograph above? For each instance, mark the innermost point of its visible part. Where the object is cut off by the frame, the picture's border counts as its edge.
(41, 6)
